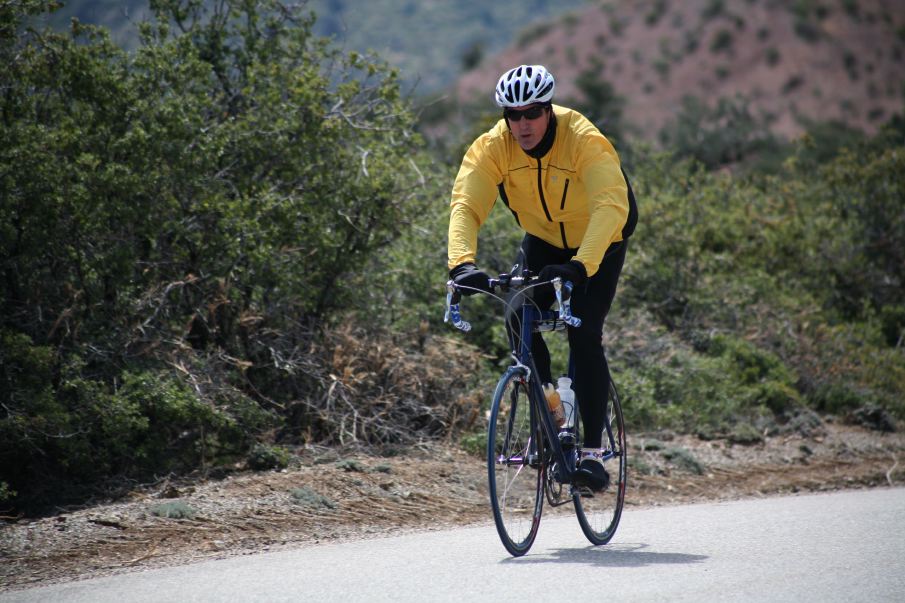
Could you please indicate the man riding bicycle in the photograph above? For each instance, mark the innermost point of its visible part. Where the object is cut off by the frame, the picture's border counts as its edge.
(562, 180)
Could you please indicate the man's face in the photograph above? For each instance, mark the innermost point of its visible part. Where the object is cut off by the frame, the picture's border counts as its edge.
(527, 131)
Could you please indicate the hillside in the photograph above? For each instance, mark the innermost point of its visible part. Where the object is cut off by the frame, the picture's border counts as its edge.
(426, 41)
(793, 62)
(431, 41)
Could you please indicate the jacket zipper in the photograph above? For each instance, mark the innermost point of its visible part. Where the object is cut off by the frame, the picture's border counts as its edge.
(543, 202)
(562, 225)
(540, 190)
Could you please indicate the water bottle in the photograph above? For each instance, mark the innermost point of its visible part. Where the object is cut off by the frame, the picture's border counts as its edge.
(554, 404)
(567, 400)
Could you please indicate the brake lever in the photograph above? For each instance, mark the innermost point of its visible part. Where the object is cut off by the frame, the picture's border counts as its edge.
(565, 302)
(453, 297)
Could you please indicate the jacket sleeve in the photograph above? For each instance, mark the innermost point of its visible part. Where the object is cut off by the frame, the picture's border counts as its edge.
(607, 198)
(474, 193)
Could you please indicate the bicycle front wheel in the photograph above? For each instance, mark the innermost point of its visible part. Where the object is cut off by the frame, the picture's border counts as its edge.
(599, 512)
(515, 463)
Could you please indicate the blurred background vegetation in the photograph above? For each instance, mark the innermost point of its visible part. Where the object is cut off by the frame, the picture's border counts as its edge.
(223, 235)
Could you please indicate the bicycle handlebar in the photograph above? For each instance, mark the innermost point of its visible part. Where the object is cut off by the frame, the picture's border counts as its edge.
(506, 282)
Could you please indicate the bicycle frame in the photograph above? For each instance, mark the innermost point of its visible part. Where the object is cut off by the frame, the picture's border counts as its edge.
(529, 457)
(531, 319)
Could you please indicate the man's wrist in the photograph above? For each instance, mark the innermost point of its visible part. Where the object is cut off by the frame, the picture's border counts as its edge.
(462, 269)
(580, 267)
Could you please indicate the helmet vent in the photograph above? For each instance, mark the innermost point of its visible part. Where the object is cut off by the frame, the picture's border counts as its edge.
(525, 85)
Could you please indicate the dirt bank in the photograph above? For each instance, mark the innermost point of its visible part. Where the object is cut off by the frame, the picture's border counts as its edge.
(333, 497)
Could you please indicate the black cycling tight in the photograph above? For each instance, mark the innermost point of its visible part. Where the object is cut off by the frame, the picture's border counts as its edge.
(591, 302)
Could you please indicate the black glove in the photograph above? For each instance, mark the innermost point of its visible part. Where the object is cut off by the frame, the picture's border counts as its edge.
(573, 271)
(468, 275)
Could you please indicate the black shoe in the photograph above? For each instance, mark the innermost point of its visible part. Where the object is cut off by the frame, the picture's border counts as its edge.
(592, 474)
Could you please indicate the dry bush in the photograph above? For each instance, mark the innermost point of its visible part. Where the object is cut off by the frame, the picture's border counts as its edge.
(372, 390)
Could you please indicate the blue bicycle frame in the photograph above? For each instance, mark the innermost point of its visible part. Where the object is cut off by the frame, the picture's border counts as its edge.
(533, 319)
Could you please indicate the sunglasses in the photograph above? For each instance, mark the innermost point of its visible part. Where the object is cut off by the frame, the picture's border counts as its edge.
(532, 113)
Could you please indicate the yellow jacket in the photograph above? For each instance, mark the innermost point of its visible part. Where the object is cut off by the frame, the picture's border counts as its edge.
(574, 197)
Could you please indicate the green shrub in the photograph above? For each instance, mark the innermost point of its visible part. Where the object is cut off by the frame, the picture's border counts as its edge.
(892, 319)
(263, 457)
(350, 465)
(722, 41)
(662, 66)
(713, 9)
(309, 498)
(807, 31)
(689, 393)
(174, 510)
(874, 417)
(778, 396)
(475, 443)
(721, 133)
(838, 398)
(684, 459)
(653, 444)
(745, 434)
(638, 466)
(532, 33)
(851, 8)
(750, 364)
(6, 494)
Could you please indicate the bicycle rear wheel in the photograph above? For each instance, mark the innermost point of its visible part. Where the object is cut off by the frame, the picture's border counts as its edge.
(599, 512)
(515, 463)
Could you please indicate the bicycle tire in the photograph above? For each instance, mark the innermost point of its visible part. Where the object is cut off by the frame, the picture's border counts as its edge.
(515, 462)
(599, 514)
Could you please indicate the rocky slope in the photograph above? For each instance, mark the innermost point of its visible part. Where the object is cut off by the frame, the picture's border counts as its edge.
(791, 62)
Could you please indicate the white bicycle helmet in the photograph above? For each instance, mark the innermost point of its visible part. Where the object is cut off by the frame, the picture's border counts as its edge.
(524, 85)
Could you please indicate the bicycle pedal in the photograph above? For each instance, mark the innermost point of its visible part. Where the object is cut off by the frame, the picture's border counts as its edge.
(585, 492)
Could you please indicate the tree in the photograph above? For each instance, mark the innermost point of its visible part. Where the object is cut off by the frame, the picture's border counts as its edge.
(174, 222)
(724, 134)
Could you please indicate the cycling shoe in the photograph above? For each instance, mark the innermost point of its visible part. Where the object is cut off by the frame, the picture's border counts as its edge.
(592, 474)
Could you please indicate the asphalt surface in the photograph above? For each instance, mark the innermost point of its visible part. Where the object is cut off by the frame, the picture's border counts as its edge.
(847, 546)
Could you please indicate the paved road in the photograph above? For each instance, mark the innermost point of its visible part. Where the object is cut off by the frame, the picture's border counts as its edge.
(833, 547)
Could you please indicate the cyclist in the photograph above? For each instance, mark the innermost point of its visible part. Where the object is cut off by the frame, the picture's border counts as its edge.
(562, 180)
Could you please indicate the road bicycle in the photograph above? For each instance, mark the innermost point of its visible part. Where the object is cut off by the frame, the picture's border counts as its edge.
(529, 458)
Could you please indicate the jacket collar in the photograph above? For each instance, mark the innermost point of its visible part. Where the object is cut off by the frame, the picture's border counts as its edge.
(546, 143)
